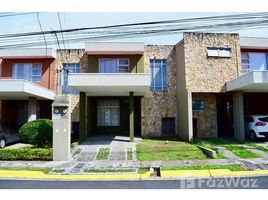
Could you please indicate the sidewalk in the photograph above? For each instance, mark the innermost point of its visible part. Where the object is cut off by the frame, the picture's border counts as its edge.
(76, 167)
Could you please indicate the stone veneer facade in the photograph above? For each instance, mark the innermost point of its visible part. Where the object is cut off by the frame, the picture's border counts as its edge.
(209, 74)
(156, 105)
(206, 120)
(206, 76)
(74, 56)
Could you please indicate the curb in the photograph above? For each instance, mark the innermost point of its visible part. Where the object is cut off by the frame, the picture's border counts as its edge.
(165, 174)
(43, 176)
(210, 173)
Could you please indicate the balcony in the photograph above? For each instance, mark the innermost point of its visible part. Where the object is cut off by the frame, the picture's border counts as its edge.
(254, 81)
(110, 84)
(22, 89)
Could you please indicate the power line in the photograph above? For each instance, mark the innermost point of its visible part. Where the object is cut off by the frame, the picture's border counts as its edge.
(15, 14)
(223, 17)
(250, 21)
(40, 25)
(61, 30)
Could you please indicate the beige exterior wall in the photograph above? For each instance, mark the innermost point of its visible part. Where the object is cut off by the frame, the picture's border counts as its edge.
(206, 120)
(209, 74)
(156, 105)
(184, 98)
(74, 56)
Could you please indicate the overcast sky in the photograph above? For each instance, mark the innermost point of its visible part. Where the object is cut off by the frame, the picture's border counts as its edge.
(28, 23)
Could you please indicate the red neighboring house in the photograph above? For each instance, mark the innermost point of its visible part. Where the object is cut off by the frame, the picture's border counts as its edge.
(27, 85)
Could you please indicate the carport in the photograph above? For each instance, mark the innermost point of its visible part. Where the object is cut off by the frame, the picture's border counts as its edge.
(250, 96)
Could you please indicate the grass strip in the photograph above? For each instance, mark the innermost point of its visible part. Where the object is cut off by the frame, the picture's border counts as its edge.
(103, 154)
(46, 170)
(234, 167)
(129, 154)
(108, 170)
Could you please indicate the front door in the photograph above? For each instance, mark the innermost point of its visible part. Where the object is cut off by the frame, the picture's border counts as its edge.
(125, 116)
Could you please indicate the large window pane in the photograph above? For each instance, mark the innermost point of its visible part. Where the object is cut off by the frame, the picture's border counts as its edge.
(108, 113)
(158, 74)
(113, 65)
(30, 72)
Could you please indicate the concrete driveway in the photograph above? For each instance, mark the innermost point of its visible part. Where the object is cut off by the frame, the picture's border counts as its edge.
(119, 148)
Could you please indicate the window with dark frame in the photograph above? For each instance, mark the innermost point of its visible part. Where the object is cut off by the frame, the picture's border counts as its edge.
(198, 105)
(158, 74)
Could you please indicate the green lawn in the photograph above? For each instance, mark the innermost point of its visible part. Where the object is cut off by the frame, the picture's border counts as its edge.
(239, 151)
(103, 154)
(158, 149)
(233, 167)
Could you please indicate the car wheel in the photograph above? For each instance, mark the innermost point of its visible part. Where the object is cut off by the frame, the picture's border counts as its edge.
(252, 135)
(2, 143)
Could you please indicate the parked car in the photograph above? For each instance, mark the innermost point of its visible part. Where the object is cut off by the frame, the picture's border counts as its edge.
(8, 134)
(256, 126)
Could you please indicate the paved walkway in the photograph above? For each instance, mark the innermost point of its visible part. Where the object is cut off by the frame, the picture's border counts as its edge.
(119, 148)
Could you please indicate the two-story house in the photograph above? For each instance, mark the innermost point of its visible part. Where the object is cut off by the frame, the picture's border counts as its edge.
(220, 79)
(27, 85)
(125, 88)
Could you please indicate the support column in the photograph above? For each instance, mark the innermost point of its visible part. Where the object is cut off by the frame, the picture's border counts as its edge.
(82, 115)
(238, 107)
(185, 115)
(131, 116)
(32, 109)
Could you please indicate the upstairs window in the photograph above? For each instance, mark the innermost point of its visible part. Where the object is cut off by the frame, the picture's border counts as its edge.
(113, 65)
(253, 61)
(27, 71)
(158, 74)
(69, 68)
(219, 52)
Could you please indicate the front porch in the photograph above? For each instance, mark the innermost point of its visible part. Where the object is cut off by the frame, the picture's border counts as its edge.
(110, 102)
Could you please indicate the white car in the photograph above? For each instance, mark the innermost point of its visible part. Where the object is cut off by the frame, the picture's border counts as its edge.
(256, 126)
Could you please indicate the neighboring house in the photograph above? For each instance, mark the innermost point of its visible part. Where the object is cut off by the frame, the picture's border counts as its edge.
(27, 85)
(214, 89)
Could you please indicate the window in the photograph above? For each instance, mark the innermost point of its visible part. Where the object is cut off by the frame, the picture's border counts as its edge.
(158, 74)
(108, 113)
(30, 72)
(198, 105)
(69, 68)
(219, 52)
(253, 61)
(113, 65)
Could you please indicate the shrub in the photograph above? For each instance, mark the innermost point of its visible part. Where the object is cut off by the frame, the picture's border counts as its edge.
(26, 154)
(38, 132)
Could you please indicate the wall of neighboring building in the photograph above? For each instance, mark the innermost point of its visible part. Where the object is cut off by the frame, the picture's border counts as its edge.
(48, 70)
(209, 74)
(74, 56)
(206, 121)
(157, 105)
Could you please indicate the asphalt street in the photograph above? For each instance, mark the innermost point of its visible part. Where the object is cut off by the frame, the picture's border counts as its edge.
(204, 183)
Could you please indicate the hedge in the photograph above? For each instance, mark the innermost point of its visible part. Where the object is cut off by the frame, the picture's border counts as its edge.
(38, 132)
(26, 154)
